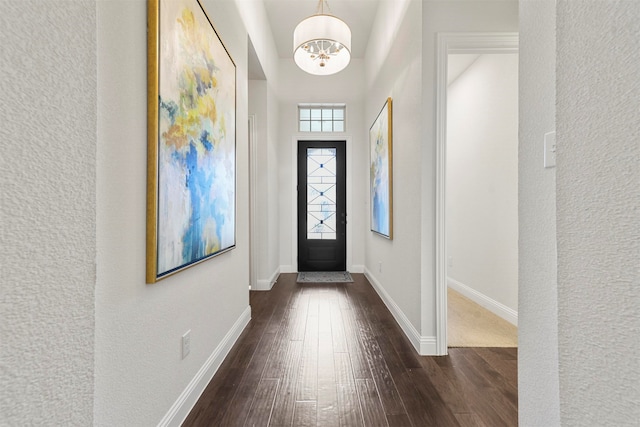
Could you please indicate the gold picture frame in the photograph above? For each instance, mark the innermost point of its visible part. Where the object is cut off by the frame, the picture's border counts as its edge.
(191, 139)
(381, 172)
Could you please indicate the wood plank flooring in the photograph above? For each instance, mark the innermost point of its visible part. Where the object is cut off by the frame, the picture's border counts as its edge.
(333, 355)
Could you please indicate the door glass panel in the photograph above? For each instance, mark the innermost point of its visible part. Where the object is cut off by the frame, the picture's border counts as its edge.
(321, 193)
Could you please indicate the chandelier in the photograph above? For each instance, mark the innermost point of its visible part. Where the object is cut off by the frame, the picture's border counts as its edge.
(322, 43)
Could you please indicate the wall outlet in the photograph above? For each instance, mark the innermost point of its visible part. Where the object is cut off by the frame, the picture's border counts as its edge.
(186, 343)
(450, 263)
(380, 267)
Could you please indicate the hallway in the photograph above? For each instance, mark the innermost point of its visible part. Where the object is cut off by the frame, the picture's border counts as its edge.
(332, 355)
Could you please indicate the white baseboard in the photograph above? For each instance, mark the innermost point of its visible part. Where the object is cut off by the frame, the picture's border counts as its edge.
(424, 345)
(288, 269)
(188, 398)
(356, 268)
(428, 346)
(266, 285)
(490, 304)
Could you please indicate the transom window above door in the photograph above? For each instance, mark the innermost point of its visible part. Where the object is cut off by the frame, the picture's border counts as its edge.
(321, 117)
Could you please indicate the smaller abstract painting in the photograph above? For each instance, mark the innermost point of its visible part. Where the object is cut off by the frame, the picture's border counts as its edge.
(380, 171)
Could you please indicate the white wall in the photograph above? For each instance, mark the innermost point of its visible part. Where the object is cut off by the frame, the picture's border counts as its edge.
(394, 69)
(538, 388)
(254, 17)
(482, 180)
(256, 24)
(47, 212)
(273, 184)
(264, 105)
(446, 16)
(598, 211)
(299, 87)
(139, 374)
(401, 65)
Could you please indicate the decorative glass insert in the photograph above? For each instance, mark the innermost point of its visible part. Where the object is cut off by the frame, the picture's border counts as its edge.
(321, 118)
(321, 193)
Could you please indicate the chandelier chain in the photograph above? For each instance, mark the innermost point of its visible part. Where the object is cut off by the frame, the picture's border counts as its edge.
(320, 8)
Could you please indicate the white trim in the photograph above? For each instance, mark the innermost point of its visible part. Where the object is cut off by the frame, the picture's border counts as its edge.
(428, 346)
(253, 203)
(315, 136)
(266, 285)
(424, 345)
(188, 398)
(478, 43)
(356, 268)
(288, 269)
(497, 308)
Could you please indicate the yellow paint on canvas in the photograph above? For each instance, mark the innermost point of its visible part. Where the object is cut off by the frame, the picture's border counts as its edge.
(210, 236)
(207, 108)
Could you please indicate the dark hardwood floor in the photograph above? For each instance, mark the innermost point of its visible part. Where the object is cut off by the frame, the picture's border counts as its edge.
(333, 355)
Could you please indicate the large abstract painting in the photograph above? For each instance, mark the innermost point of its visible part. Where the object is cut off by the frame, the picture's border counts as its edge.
(191, 182)
(381, 167)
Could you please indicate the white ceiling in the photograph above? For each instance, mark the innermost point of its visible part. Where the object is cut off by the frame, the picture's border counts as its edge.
(284, 15)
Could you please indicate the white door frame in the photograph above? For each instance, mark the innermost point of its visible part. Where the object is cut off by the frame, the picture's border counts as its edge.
(473, 43)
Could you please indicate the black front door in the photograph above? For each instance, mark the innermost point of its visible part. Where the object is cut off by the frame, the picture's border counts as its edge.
(322, 206)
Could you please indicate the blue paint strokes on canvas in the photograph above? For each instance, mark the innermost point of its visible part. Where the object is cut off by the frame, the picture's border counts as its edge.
(170, 108)
(379, 170)
(204, 139)
(191, 249)
(202, 87)
(196, 159)
(380, 202)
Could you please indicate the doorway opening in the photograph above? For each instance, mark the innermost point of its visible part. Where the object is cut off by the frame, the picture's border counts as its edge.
(322, 204)
(452, 193)
(482, 200)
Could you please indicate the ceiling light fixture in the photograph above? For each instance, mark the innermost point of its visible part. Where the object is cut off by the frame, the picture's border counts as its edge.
(322, 43)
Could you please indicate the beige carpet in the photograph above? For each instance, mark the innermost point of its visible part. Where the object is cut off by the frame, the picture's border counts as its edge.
(471, 325)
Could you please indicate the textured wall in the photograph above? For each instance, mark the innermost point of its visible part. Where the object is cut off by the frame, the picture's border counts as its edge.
(598, 211)
(47, 212)
(538, 390)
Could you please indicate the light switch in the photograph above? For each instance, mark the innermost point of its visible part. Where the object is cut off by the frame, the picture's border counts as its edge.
(550, 150)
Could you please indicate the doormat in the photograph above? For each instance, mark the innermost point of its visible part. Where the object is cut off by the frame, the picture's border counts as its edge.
(324, 277)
